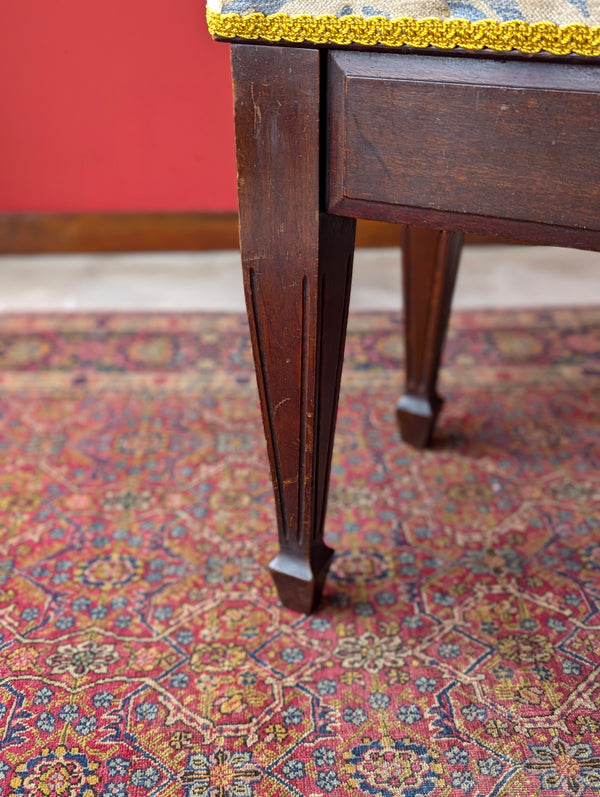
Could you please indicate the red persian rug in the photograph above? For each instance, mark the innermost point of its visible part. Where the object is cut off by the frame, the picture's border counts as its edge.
(143, 650)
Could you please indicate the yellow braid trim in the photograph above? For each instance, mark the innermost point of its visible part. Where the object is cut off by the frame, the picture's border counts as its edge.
(327, 29)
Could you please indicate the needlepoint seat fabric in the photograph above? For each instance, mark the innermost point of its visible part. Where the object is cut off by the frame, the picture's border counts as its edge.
(560, 27)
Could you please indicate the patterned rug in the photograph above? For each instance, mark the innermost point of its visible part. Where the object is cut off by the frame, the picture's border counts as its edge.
(143, 650)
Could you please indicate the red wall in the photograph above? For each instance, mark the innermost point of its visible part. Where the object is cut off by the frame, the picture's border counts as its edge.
(118, 105)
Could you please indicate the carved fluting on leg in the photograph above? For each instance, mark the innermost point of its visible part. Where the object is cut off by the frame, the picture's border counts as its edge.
(430, 264)
(299, 411)
(297, 268)
(265, 390)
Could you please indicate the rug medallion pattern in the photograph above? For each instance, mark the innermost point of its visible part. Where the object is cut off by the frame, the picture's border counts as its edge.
(143, 650)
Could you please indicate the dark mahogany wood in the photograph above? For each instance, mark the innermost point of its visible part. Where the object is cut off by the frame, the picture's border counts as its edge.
(429, 265)
(297, 264)
(464, 144)
(452, 143)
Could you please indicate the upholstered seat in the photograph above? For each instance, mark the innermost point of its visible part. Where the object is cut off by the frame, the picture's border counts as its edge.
(560, 27)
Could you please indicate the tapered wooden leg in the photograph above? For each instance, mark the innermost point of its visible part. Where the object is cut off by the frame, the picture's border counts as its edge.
(297, 268)
(429, 266)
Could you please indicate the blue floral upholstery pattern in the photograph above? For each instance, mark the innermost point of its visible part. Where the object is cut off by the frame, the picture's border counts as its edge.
(556, 26)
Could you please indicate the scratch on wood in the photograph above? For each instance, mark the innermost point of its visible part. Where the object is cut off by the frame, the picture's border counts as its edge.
(257, 111)
(279, 403)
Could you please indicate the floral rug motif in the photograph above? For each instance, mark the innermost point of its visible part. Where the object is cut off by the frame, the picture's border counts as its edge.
(143, 650)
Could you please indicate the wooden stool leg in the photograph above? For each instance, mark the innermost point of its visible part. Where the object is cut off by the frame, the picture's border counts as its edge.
(297, 269)
(430, 264)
